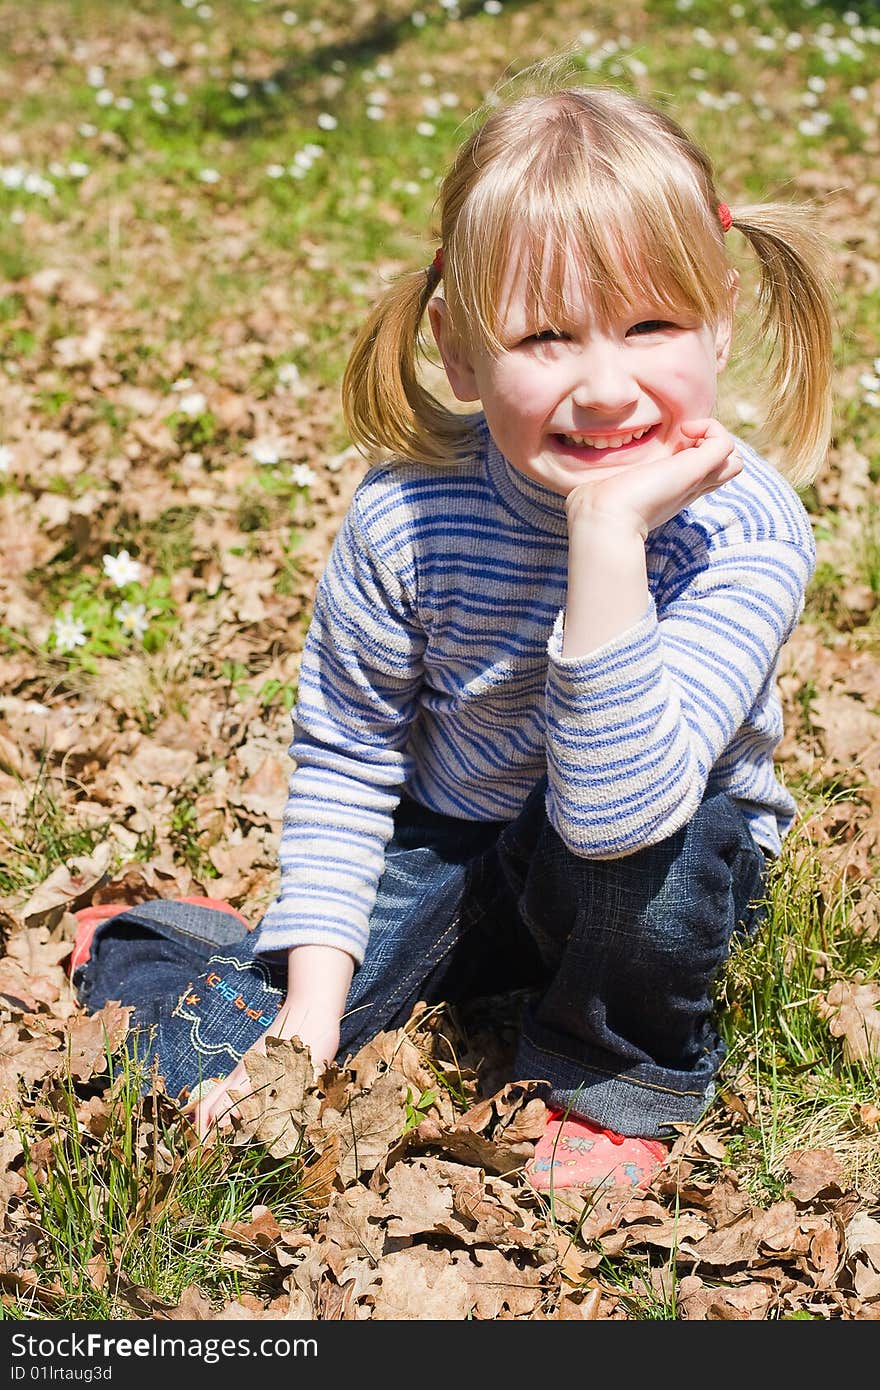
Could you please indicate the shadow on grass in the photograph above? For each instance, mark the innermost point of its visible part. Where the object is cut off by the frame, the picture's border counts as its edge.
(379, 38)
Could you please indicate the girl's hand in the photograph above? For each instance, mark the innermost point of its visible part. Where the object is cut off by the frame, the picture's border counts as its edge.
(318, 980)
(642, 496)
(217, 1106)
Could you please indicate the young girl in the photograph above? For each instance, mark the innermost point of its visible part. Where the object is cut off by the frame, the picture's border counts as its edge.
(537, 712)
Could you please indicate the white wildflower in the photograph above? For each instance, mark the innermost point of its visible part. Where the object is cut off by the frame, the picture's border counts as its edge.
(274, 171)
(133, 618)
(121, 569)
(288, 374)
(265, 451)
(301, 475)
(425, 128)
(192, 404)
(239, 90)
(35, 183)
(5, 458)
(69, 632)
(209, 176)
(326, 121)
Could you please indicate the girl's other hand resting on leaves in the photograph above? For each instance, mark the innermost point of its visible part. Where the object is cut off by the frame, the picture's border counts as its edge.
(318, 980)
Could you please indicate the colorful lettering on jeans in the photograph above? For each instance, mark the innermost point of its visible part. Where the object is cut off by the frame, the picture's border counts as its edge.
(212, 1031)
(228, 992)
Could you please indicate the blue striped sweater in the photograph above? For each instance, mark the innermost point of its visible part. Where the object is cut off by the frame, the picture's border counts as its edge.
(433, 663)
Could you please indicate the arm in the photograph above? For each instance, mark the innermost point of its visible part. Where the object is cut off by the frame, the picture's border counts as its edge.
(318, 980)
(608, 524)
(359, 682)
(641, 705)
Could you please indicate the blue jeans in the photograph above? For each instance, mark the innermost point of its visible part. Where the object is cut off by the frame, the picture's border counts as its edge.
(619, 959)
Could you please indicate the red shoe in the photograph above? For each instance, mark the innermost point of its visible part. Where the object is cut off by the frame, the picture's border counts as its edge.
(88, 918)
(576, 1153)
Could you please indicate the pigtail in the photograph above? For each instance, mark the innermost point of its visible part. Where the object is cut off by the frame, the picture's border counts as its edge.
(795, 307)
(384, 405)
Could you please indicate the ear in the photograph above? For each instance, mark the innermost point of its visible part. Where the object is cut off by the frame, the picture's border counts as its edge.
(457, 365)
(724, 327)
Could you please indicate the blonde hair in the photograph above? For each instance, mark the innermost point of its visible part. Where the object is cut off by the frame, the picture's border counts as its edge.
(607, 173)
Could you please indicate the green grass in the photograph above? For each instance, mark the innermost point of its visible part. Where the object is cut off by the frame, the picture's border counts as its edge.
(125, 1197)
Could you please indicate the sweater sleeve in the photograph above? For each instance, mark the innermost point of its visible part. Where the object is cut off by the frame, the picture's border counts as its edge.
(635, 727)
(358, 690)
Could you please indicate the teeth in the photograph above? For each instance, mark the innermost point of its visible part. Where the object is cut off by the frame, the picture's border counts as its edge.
(600, 441)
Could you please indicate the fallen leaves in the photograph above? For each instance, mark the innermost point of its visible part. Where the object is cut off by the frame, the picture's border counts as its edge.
(852, 1010)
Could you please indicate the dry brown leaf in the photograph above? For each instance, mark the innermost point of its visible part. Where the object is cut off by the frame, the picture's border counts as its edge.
(368, 1126)
(852, 1010)
(417, 1202)
(420, 1284)
(92, 1038)
(814, 1171)
(265, 791)
(282, 1102)
(26, 1058)
(502, 1286)
(353, 1228)
(700, 1302)
(68, 887)
(192, 1307)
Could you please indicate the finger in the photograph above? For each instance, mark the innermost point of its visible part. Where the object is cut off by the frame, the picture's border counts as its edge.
(708, 428)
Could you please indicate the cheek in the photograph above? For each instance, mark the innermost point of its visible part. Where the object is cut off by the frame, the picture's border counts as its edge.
(523, 391)
(694, 384)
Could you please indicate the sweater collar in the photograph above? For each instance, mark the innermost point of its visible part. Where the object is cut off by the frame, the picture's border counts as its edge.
(542, 508)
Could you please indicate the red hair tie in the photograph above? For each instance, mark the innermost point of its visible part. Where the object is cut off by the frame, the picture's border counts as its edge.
(725, 217)
(437, 263)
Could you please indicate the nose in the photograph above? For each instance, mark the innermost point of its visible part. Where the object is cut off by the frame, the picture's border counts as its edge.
(604, 381)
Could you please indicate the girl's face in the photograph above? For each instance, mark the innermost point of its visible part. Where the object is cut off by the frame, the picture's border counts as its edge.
(563, 408)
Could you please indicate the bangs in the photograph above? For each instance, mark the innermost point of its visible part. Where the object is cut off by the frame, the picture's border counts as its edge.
(564, 221)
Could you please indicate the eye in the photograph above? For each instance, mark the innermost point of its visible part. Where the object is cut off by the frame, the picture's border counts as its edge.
(651, 326)
(546, 335)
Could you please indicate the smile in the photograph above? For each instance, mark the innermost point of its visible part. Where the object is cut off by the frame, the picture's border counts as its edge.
(603, 441)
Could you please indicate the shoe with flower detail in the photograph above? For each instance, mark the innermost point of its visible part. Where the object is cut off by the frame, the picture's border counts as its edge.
(576, 1153)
